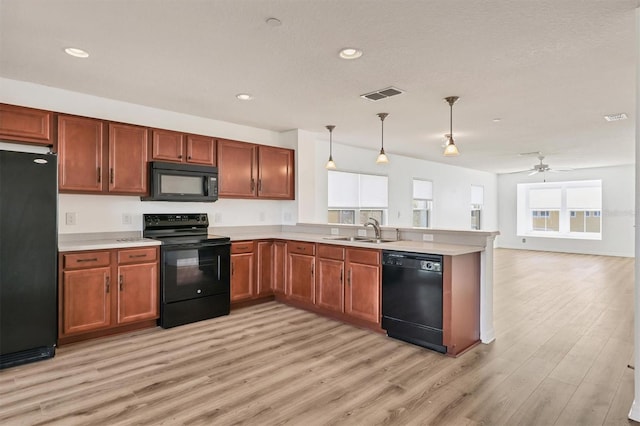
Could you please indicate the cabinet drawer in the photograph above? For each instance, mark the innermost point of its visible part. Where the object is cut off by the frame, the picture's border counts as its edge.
(330, 252)
(242, 247)
(368, 257)
(137, 255)
(87, 260)
(301, 248)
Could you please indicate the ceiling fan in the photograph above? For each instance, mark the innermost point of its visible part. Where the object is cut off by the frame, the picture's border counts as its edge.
(542, 167)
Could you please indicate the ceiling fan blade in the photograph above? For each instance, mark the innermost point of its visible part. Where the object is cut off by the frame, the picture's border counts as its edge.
(564, 169)
(534, 172)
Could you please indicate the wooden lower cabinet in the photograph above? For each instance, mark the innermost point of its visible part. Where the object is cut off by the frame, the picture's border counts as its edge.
(278, 283)
(86, 300)
(301, 264)
(264, 268)
(106, 292)
(137, 296)
(362, 292)
(330, 278)
(242, 270)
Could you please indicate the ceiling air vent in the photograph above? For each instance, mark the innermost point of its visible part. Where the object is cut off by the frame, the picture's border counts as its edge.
(616, 117)
(382, 94)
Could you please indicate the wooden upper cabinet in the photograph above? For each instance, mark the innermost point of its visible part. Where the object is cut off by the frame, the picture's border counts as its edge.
(201, 150)
(276, 174)
(167, 145)
(237, 169)
(81, 151)
(178, 147)
(128, 159)
(29, 125)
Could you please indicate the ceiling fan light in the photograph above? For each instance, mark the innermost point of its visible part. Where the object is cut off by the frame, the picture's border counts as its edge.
(382, 158)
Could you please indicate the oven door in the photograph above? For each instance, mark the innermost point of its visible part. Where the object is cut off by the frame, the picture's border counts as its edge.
(190, 271)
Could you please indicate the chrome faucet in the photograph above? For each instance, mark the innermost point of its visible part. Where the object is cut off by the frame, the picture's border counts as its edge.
(376, 226)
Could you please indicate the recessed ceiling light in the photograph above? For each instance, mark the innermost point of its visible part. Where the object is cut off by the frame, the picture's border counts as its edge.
(616, 117)
(244, 96)
(350, 53)
(273, 22)
(78, 53)
(496, 120)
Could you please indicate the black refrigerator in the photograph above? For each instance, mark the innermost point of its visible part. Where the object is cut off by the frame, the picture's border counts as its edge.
(28, 251)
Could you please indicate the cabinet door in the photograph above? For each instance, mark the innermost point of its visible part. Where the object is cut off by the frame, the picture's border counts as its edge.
(264, 267)
(241, 276)
(301, 277)
(167, 145)
(362, 293)
(201, 150)
(279, 266)
(80, 149)
(137, 292)
(276, 176)
(25, 124)
(86, 300)
(236, 169)
(127, 159)
(330, 284)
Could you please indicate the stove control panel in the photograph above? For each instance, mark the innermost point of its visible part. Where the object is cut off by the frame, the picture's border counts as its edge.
(164, 220)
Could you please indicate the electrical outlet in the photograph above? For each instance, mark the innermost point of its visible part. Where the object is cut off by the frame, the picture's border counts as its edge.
(217, 217)
(126, 218)
(70, 218)
(335, 231)
(427, 237)
(362, 232)
(287, 216)
(262, 216)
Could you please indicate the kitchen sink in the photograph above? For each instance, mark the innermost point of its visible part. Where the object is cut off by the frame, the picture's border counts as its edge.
(348, 238)
(378, 241)
(359, 239)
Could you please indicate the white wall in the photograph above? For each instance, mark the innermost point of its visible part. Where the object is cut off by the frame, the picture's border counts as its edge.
(451, 186)
(103, 213)
(617, 212)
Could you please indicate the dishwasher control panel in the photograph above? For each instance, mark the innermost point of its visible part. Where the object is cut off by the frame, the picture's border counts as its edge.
(421, 262)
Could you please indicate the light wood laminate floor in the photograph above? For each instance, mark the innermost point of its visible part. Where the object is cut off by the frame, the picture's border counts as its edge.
(564, 326)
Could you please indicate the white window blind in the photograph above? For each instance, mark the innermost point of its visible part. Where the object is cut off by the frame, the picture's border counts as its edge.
(589, 198)
(373, 191)
(548, 198)
(477, 195)
(422, 189)
(343, 189)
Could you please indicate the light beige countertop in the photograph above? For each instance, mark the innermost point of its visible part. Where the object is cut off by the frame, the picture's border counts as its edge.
(102, 241)
(402, 245)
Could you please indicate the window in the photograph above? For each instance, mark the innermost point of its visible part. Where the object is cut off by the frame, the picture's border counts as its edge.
(353, 198)
(477, 201)
(560, 209)
(422, 202)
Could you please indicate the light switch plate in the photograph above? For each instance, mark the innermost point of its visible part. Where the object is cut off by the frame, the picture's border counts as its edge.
(427, 237)
(335, 231)
(126, 218)
(362, 232)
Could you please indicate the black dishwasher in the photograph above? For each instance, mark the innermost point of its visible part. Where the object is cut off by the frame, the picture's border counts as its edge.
(412, 298)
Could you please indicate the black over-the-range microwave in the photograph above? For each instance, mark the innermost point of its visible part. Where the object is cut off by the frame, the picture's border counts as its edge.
(182, 182)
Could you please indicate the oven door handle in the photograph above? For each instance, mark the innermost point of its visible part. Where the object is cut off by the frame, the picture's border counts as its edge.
(193, 245)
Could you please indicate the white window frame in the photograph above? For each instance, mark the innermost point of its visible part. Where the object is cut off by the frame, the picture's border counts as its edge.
(359, 199)
(525, 213)
(429, 203)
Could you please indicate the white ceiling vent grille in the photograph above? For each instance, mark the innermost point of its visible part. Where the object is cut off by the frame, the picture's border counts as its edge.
(616, 117)
(382, 94)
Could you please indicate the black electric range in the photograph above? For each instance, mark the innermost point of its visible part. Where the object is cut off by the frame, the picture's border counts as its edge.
(195, 269)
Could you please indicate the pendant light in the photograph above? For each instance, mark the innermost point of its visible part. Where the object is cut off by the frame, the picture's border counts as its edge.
(451, 150)
(382, 157)
(331, 165)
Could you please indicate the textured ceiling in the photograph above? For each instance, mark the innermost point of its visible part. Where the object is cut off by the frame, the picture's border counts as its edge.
(548, 69)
